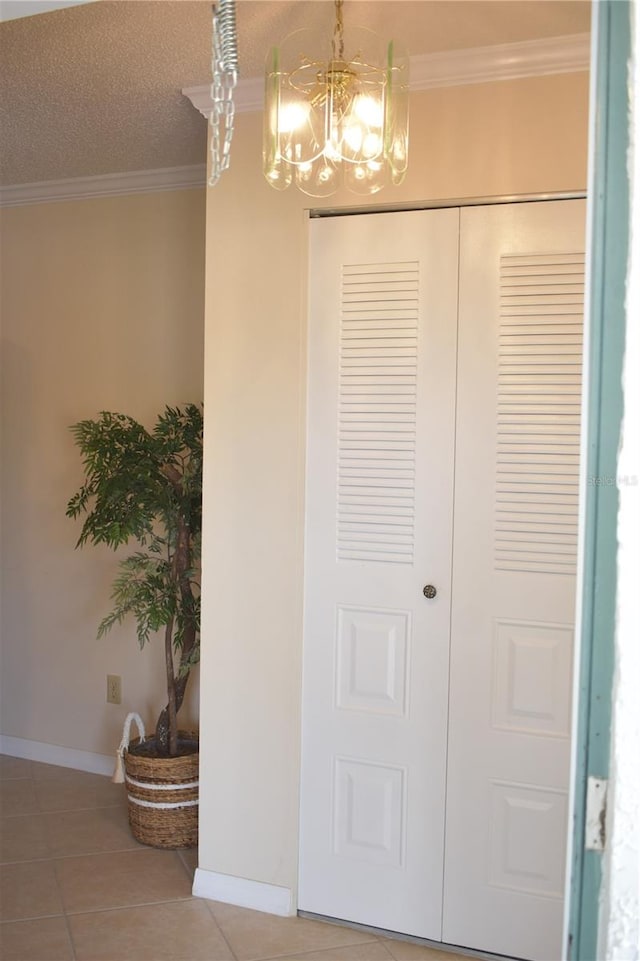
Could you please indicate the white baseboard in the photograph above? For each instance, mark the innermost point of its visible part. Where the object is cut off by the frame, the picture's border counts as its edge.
(270, 898)
(54, 754)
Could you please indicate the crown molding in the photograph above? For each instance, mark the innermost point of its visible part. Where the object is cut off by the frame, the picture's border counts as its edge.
(15, 9)
(451, 68)
(504, 61)
(248, 96)
(104, 185)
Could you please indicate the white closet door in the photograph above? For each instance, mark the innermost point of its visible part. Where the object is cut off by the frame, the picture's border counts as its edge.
(382, 347)
(521, 291)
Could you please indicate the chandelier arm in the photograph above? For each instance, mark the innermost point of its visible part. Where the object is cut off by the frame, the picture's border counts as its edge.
(305, 76)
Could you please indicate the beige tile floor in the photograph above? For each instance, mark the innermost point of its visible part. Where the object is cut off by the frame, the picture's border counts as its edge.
(75, 886)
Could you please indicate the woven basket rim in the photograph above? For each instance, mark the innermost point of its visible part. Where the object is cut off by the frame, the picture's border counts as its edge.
(190, 736)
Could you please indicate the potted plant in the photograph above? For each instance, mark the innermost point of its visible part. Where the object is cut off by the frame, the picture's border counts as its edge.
(146, 487)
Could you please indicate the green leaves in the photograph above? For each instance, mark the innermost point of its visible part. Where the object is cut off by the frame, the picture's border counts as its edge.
(146, 486)
(135, 479)
(124, 489)
(145, 588)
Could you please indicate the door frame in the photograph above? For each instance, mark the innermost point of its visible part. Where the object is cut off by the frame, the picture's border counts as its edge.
(608, 245)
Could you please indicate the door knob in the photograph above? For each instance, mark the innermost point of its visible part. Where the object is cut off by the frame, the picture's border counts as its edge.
(429, 591)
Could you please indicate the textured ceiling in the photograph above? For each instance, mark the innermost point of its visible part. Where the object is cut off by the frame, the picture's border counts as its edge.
(96, 89)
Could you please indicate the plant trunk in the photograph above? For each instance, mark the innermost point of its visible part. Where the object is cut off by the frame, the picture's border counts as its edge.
(163, 723)
(179, 686)
(171, 691)
(167, 725)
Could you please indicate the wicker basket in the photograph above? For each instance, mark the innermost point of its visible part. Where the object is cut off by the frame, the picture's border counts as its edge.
(163, 797)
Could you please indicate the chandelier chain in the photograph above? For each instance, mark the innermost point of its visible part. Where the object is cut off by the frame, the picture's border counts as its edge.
(338, 32)
(224, 72)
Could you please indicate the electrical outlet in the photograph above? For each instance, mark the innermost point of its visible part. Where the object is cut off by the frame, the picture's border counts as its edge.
(114, 688)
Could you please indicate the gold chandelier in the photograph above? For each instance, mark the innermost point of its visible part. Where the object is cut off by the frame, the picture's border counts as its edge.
(335, 121)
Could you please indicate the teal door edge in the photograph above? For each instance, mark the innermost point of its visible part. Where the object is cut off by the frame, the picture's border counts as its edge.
(609, 206)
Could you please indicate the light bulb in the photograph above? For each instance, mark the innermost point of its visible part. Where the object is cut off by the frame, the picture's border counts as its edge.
(292, 116)
(369, 110)
(353, 136)
(372, 145)
(330, 151)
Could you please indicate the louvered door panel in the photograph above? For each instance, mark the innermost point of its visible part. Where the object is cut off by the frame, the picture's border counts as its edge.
(377, 412)
(538, 411)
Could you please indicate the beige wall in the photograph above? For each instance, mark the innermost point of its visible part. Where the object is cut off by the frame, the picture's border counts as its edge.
(520, 137)
(102, 308)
